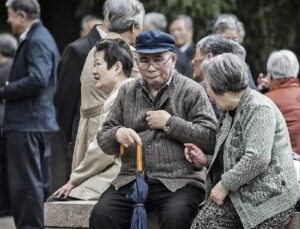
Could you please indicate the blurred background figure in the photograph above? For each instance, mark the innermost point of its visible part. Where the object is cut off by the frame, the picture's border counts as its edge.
(229, 26)
(8, 46)
(155, 20)
(88, 22)
(181, 28)
(282, 70)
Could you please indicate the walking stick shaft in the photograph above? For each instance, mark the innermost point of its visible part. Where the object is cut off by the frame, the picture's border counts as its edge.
(139, 158)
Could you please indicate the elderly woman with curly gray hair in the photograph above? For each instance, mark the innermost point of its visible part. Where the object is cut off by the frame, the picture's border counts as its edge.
(251, 181)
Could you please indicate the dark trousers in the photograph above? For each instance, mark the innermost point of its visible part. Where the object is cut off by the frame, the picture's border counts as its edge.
(4, 193)
(175, 210)
(28, 158)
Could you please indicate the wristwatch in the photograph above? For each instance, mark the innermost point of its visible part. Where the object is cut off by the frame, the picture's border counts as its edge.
(167, 127)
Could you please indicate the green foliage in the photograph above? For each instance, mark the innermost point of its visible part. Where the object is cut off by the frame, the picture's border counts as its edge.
(269, 24)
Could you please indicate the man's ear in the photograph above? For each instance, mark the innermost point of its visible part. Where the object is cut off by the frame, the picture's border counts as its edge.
(22, 14)
(209, 55)
(174, 59)
(118, 68)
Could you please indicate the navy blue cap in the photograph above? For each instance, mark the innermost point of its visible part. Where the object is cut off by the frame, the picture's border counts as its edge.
(154, 41)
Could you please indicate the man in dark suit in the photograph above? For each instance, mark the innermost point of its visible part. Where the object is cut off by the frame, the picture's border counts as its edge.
(181, 28)
(67, 96)
(29, 114)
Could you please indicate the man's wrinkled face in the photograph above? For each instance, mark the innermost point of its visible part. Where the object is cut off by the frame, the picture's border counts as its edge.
(231, 34)
(197, 61)
(15, 20)
(156, 68)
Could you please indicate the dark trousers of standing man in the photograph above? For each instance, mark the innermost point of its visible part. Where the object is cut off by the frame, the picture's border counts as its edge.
(176, 210)
(28, 158)
(5, 208)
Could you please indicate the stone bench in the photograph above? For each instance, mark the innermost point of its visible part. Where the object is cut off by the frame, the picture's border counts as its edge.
(76, 214)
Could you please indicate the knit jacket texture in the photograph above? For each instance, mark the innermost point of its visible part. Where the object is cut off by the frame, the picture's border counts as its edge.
(258, 169)
(192, 120)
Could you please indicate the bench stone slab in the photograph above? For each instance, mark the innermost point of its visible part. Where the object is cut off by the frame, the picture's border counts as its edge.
(76, 214)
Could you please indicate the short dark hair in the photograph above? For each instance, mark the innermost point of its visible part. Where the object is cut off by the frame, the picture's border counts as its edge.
(30, 7)
(116, 50)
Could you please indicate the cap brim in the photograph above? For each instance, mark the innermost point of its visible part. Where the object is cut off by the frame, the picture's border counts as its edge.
(149, 51)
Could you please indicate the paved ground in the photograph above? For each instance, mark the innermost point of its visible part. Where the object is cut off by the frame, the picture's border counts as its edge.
(7, 223)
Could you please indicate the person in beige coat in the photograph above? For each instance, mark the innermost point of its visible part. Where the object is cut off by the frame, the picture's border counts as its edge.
(112, 69)
(124, 19)
(124, 24)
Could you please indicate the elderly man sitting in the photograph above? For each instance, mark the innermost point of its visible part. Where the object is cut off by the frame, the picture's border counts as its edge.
(162, 110)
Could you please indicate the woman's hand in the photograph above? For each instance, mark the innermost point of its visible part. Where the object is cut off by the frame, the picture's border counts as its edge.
(194, 154)
(218, 193)
(65, 190)
(263, 82)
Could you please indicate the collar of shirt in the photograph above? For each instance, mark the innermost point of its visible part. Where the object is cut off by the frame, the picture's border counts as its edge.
(101, 32)
(24, 34)
(143, 84)
(183, 48)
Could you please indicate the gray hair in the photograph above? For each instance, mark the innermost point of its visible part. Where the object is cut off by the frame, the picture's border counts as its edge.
(8, 44)
(30, 7)
(226, 73)
(121, 15)
(188, 21)
(87, 19)
(228, 21)
(283, 63)
(216, 45)
(155, 20)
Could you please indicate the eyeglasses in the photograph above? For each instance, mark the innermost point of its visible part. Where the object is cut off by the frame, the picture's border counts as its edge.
(156, 63)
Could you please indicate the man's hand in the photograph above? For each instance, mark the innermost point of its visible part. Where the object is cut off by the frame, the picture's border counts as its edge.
(218, 193)
(157, 119)
(128, 137)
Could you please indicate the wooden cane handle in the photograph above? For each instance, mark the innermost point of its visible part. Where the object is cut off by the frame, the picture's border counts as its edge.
(122, 150)
(139, 158)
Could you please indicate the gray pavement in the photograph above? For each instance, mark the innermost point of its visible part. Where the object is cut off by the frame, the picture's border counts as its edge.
(7, 223)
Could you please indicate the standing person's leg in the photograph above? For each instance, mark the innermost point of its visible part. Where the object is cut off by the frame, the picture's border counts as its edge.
(26, 182)
(176, 209)
(113, 210)
(46, 162)
(5, 208)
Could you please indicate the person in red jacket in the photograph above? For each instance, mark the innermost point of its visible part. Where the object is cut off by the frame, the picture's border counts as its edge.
(282, 70)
